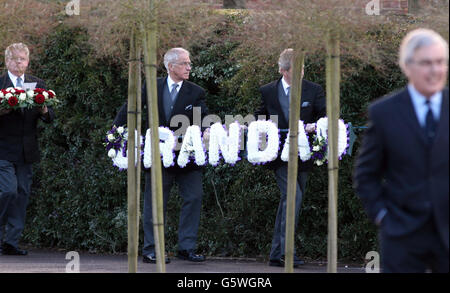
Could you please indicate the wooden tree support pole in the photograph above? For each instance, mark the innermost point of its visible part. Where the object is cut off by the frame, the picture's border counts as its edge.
(133, 171)
(333, 110)
(294, 117)
(150, 49)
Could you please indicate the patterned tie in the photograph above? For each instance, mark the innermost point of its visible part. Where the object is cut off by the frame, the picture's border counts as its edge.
(174, 92)
(19, 82)
(430, 124)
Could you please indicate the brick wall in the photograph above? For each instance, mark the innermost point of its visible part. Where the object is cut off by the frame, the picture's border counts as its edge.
(386, 6)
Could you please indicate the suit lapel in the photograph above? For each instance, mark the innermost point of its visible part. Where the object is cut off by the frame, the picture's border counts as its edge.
(276, 103)
(182, 98)
(162, 116)
(6, 81)
(406, 109)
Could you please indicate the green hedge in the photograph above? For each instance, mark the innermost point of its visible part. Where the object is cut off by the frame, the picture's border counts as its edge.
(79, 198)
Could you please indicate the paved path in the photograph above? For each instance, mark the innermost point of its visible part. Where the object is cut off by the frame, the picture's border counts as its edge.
(48, 261)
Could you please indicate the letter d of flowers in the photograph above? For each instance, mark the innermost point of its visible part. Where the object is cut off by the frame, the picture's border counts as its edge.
(255, 129)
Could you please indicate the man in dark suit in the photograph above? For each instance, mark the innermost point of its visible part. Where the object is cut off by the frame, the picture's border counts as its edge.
(401, 173)
(176, 96)
(275, 101)
(18, 150)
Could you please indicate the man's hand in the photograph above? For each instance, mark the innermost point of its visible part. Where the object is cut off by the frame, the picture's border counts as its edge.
(310, 127)
(43, 110)
(4, 111)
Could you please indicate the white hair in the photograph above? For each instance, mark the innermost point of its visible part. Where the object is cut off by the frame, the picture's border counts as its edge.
(417, 39)
(16, 47)
(172, 55)
(285, 60)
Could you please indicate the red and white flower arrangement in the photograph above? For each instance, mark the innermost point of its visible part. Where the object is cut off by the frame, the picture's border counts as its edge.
(15, 98)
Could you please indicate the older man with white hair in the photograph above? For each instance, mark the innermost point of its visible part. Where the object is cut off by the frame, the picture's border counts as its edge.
(18, 150)
(176, 97)
(402, 170)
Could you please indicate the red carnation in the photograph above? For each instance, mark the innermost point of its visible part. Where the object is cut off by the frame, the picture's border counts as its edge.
(39, 99)
(50, 94)
(12, 101)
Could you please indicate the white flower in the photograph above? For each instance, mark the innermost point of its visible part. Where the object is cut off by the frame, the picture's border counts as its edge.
(1, 95)
(255, 129)
(228, 144)
(111, 137)
(316, 148)
(54, 94)
(22, 96)
(319, 163)
(45, 94)
(112, 153)
(304, 151)
(120, 130)
(322, 131)
(13, 90)
(30, 93)
(166, 147)
(192, 143)
(8, 95)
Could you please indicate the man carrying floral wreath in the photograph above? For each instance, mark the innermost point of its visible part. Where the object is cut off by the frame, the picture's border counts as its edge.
(177, 97)
(18, 148)
(275, 99)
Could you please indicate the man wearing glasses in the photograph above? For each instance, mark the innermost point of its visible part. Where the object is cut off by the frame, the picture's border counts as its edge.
(18, 150)
(176, 96)
(402, 170)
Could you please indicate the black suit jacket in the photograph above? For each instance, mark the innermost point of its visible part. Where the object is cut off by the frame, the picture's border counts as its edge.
(18, 131)
(312, 93)
(398, 171)
(189, 96)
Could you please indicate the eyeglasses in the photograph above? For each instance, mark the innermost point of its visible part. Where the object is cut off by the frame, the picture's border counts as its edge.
(428, 63)
(18, 59)
(185, 64)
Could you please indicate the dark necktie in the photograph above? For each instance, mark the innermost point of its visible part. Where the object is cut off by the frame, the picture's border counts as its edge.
(286, 114)
(430, 124)
(174, 92)
(19, 82)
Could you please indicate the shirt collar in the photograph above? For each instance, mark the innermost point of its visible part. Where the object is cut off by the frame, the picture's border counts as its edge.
(14, 78)
(419, 99)
(170, 82)
(285, 85)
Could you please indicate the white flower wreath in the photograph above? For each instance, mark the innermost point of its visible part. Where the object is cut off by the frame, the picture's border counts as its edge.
(304, 150)
(255, 129)
(192, 144)
(219, 141)
(121, 159)
(166, 146)
(322, 131)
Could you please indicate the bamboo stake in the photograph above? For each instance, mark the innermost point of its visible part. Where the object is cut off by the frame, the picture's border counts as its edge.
(139, 131)
(333, 110)
(150, 47)
(132, 171)
(294, 116)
